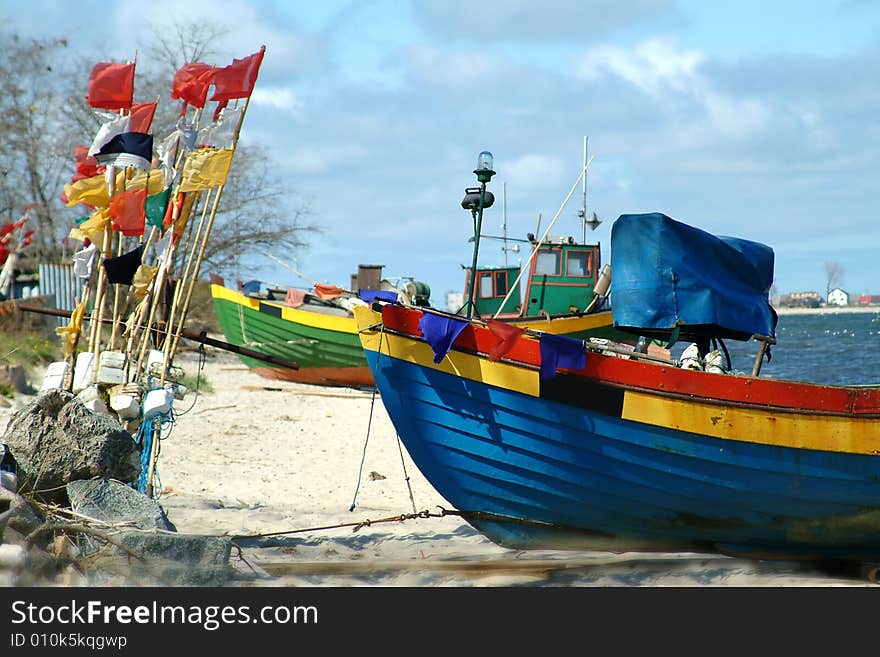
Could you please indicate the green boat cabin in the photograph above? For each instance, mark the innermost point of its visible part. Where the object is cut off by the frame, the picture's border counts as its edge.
(560, 281)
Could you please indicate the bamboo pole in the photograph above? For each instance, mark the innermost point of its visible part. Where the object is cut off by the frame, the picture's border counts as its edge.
(178, 290)
(174, 335)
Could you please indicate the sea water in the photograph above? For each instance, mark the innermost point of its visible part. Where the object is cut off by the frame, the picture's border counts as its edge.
(825, 348)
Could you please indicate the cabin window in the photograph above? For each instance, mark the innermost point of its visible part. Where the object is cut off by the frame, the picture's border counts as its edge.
(547, 263)
(500, 283)
(579, 263)
(486, 285)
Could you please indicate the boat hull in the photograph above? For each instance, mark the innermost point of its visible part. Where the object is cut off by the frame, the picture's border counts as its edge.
(532, 466)
(325, 346)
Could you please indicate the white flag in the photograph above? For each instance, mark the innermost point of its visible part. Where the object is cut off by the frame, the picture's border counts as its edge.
(83, 260)
(109, 130)
(221, 133)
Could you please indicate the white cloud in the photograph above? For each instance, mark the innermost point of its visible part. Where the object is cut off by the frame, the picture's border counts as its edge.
(654, 66)
(281, 98)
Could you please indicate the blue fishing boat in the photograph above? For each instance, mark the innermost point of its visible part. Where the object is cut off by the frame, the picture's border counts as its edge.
(544, 441)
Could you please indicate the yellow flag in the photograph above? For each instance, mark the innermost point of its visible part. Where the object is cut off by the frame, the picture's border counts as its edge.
(205, 168)
(142, 279)
(139, 181)
(92, 191)
(70, 333)
(93, 228)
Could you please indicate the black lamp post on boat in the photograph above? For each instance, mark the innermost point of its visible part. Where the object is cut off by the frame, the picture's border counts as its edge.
(476, 200)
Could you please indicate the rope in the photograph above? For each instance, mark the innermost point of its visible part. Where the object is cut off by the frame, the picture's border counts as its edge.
(144, 437)
(367, 439)
(442, 513)
(405, 475)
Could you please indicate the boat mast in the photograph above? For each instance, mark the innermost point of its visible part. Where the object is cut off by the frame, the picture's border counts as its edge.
(583, 212)
(504, 220)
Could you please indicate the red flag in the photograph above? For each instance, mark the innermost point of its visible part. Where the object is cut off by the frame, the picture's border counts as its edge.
(127, 212)
(191, 83)
(508, 335)
(237, 80)
(86, 165)
(141, 117)
(111, 86)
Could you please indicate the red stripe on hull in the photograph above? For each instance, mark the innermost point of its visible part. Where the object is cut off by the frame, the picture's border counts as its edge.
(701, 385)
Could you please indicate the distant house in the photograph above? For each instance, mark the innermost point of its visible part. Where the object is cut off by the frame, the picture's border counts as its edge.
(800, 300)
(869, 299)
(838, 297)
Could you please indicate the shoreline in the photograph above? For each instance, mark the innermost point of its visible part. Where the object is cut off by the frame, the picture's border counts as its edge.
(827, 310)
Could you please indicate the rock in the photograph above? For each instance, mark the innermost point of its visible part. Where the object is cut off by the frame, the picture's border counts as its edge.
(112, 501)
(22, 517)
(168, 559)
(56, 440)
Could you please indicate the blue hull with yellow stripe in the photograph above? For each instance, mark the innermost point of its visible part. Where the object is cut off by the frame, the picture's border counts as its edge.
(622, 455)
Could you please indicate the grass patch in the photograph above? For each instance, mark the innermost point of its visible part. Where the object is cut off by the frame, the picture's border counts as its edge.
(194, 382)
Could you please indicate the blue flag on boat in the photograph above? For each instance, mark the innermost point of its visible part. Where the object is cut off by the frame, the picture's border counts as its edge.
(127, 149)
(382, 295)
(560, 351)
(440, 332)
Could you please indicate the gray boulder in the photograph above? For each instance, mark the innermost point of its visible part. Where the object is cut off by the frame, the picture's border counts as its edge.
(21, 516)
(165, 559)
(112, 501)
(55, 440)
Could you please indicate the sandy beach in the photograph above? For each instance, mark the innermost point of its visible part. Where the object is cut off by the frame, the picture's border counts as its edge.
(258, 456)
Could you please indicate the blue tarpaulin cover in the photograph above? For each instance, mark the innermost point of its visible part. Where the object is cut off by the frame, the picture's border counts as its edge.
(674, 281)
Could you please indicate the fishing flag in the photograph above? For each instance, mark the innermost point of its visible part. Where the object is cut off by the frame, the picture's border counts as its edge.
(142, 279)
(191, 83)
(70, 333)
(108, 130)
(440, 332)
(141, 117)
(128, 149)
(90, 191)
(507, 334)
(222, 132)
(155, 207)
(93, 228)
(121, 269)
(86, 165)
(204, 169)
(151, 180)
(560, 351)
(237, 80)
(127, 212)
(111, 86)
(84, 260)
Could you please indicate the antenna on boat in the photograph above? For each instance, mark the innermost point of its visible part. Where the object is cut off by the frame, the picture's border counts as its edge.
(593, 221)
(504, 220)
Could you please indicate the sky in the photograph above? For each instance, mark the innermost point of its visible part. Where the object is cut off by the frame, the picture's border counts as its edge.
(758, 120)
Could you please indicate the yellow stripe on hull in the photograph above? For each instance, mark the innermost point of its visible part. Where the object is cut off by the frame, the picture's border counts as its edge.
(457, 363)
(752, 425)
(567, 325)
(305, 317)
(820, 432)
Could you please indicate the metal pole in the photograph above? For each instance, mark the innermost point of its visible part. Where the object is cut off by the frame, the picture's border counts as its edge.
(472, 293)
(504, 219)
(584, 215)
